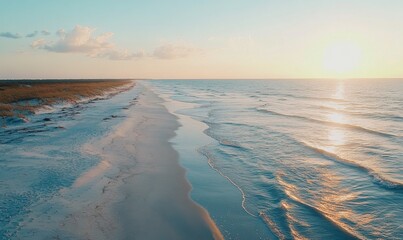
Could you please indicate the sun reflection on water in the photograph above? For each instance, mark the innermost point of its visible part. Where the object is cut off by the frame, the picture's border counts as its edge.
(339, 94)
(337, 118)
(337, 135)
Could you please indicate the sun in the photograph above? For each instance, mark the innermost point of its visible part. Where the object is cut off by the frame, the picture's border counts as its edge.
(341, 58)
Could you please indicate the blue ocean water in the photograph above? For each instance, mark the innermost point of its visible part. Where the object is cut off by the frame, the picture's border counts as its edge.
(306, 159)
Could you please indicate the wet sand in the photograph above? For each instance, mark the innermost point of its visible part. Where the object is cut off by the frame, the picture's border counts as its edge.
(138, 190)
(156, 203)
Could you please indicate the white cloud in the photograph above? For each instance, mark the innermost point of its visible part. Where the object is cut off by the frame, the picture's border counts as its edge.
(38, 43)
(172, 51)
(82, 40)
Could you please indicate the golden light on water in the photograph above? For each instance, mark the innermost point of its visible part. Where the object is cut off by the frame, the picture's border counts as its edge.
(337, 118)
(336, 135)
(339, 94)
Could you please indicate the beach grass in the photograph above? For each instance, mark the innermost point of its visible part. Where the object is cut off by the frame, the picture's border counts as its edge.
(18, 98)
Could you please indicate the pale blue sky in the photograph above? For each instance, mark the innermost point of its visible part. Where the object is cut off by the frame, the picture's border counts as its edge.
(193, 39)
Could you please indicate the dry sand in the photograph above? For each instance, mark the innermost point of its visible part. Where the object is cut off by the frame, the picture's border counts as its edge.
(156, 203)
(138, 190)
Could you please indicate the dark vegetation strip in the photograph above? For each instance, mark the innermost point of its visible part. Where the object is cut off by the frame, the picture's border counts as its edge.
(21, 97)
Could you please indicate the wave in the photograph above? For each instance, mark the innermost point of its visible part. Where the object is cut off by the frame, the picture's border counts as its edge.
(214, 167)
(291, 220)
(386, 183)
(372, 115)
(338, 110)
(222, 141)
(225, 142)
(272, 225)
(329, 99)
(322, 98)
(377, 177)
(230, 143)
(322, 212)
(217, 123)
(345, 125)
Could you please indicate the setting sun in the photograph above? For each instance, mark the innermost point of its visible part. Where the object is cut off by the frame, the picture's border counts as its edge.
(341, 58)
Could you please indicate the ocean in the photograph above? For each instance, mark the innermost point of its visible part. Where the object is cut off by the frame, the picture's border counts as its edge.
(293, 159)
(268, 159)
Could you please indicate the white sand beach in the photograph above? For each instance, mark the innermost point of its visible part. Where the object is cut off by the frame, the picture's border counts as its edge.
(137, 191)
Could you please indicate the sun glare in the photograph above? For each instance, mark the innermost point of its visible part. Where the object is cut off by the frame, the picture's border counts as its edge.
(341, 58)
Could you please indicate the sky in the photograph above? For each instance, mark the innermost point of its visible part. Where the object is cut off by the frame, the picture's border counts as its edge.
(185, 39)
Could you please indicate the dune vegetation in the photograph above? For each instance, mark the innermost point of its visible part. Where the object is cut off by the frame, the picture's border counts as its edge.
(18, 98)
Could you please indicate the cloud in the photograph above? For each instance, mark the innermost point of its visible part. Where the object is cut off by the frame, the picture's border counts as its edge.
(82, 40)
(116, 54)
(10, 35)
(38, 43)
(29, 35)
(33, 34)
(61, 33)
(173, 51)
(45, 32)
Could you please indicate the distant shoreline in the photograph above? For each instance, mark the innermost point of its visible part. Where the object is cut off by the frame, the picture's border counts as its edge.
(21, 98)
(67, 80)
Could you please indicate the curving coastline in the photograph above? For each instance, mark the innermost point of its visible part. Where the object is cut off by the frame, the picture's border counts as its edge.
(137, 190)
(156, 203)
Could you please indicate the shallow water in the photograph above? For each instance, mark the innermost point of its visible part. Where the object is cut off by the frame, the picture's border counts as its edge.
(313, 159)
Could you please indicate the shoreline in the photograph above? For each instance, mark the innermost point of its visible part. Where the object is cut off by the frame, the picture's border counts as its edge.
(157, 204)
(211, 188)
(137, 190)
